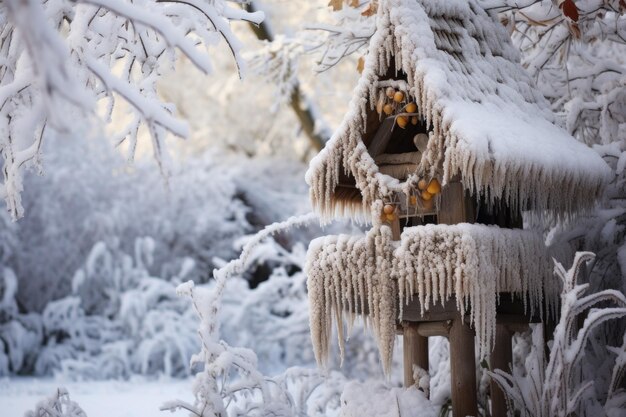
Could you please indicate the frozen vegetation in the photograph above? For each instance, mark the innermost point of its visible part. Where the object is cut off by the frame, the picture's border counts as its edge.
(121, 263)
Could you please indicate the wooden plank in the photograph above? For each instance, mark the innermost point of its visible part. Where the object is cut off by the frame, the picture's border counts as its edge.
(435, 312)
(415, 350)
(381, 139)
(463, 369)
(501, 358)
(395, 229)
(455, 206)
(434, 328)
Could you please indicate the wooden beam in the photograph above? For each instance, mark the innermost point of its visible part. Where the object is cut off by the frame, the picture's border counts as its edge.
(381, 138)
(415, 349)
(463, 369)
(434, 328)
(501, 358)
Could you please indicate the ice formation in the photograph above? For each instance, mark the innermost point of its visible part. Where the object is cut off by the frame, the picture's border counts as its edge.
(351, 275)
(489, 124)
(475, 263)
(374, 276)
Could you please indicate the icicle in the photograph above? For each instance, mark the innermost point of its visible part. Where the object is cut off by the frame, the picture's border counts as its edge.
(351, 276)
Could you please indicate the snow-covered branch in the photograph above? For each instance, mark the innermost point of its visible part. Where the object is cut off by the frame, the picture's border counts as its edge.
(60, 60)
(570, 48)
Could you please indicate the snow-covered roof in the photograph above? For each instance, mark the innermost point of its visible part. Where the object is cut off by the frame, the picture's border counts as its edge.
(370, 275)
(488, 123)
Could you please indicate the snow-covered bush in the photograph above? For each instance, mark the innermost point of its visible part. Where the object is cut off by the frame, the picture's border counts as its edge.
(90, 194)
(557, 388)
(20, 334)
(118, 320)
(230, 382)
(58, 405)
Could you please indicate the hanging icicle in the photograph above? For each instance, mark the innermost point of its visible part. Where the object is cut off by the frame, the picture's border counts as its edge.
(369, 276)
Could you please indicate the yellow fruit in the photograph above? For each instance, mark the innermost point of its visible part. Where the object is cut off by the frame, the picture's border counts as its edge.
(398, 97)
(422, 184)
(388, 209)
(402, 121)
(391, 217)
(413, 200)
(426, 195)
(388, 109)
(428, 204)
(390, 92)
(434, 187)
(411, 108)
(414, 120)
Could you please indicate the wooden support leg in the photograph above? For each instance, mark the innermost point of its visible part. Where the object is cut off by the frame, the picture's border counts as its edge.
(415, 349)
(463, 369)
(501, 357)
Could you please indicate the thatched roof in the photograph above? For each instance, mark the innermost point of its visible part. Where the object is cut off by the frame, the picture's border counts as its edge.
(488, 124)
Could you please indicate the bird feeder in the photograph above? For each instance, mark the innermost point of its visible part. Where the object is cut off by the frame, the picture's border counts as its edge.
(446, 142)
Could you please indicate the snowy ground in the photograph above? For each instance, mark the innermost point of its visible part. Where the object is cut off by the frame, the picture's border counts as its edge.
(136, 398)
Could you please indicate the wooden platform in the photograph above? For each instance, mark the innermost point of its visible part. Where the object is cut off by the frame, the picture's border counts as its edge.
(445, 320)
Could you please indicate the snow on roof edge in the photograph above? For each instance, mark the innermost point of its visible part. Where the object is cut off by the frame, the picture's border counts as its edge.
(567, 179)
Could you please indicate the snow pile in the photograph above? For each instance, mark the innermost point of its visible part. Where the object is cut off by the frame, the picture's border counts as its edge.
(490, 126)
(374, 399)
(349, 276)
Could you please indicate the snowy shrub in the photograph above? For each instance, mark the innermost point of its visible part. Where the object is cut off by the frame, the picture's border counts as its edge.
(58, 405)
(119, 320)
(20, 334)
(556, 388)
(230, 382)
(91, 195)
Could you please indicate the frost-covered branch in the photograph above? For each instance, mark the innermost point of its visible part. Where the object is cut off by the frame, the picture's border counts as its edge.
(349, 33)
(553, 389)
(63, 64)
(220, 360)
(572, 49)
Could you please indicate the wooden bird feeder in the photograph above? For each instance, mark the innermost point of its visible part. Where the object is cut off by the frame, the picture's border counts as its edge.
(443, 98)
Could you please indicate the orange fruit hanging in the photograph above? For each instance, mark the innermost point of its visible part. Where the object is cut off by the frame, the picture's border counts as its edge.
(411, 108)
(402, 121)
(398, 97)
(434, 187)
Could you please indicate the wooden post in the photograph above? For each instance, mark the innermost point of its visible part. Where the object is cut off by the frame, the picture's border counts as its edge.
(415, 349)
(501, 358)
(463, 369)
(455, 206)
